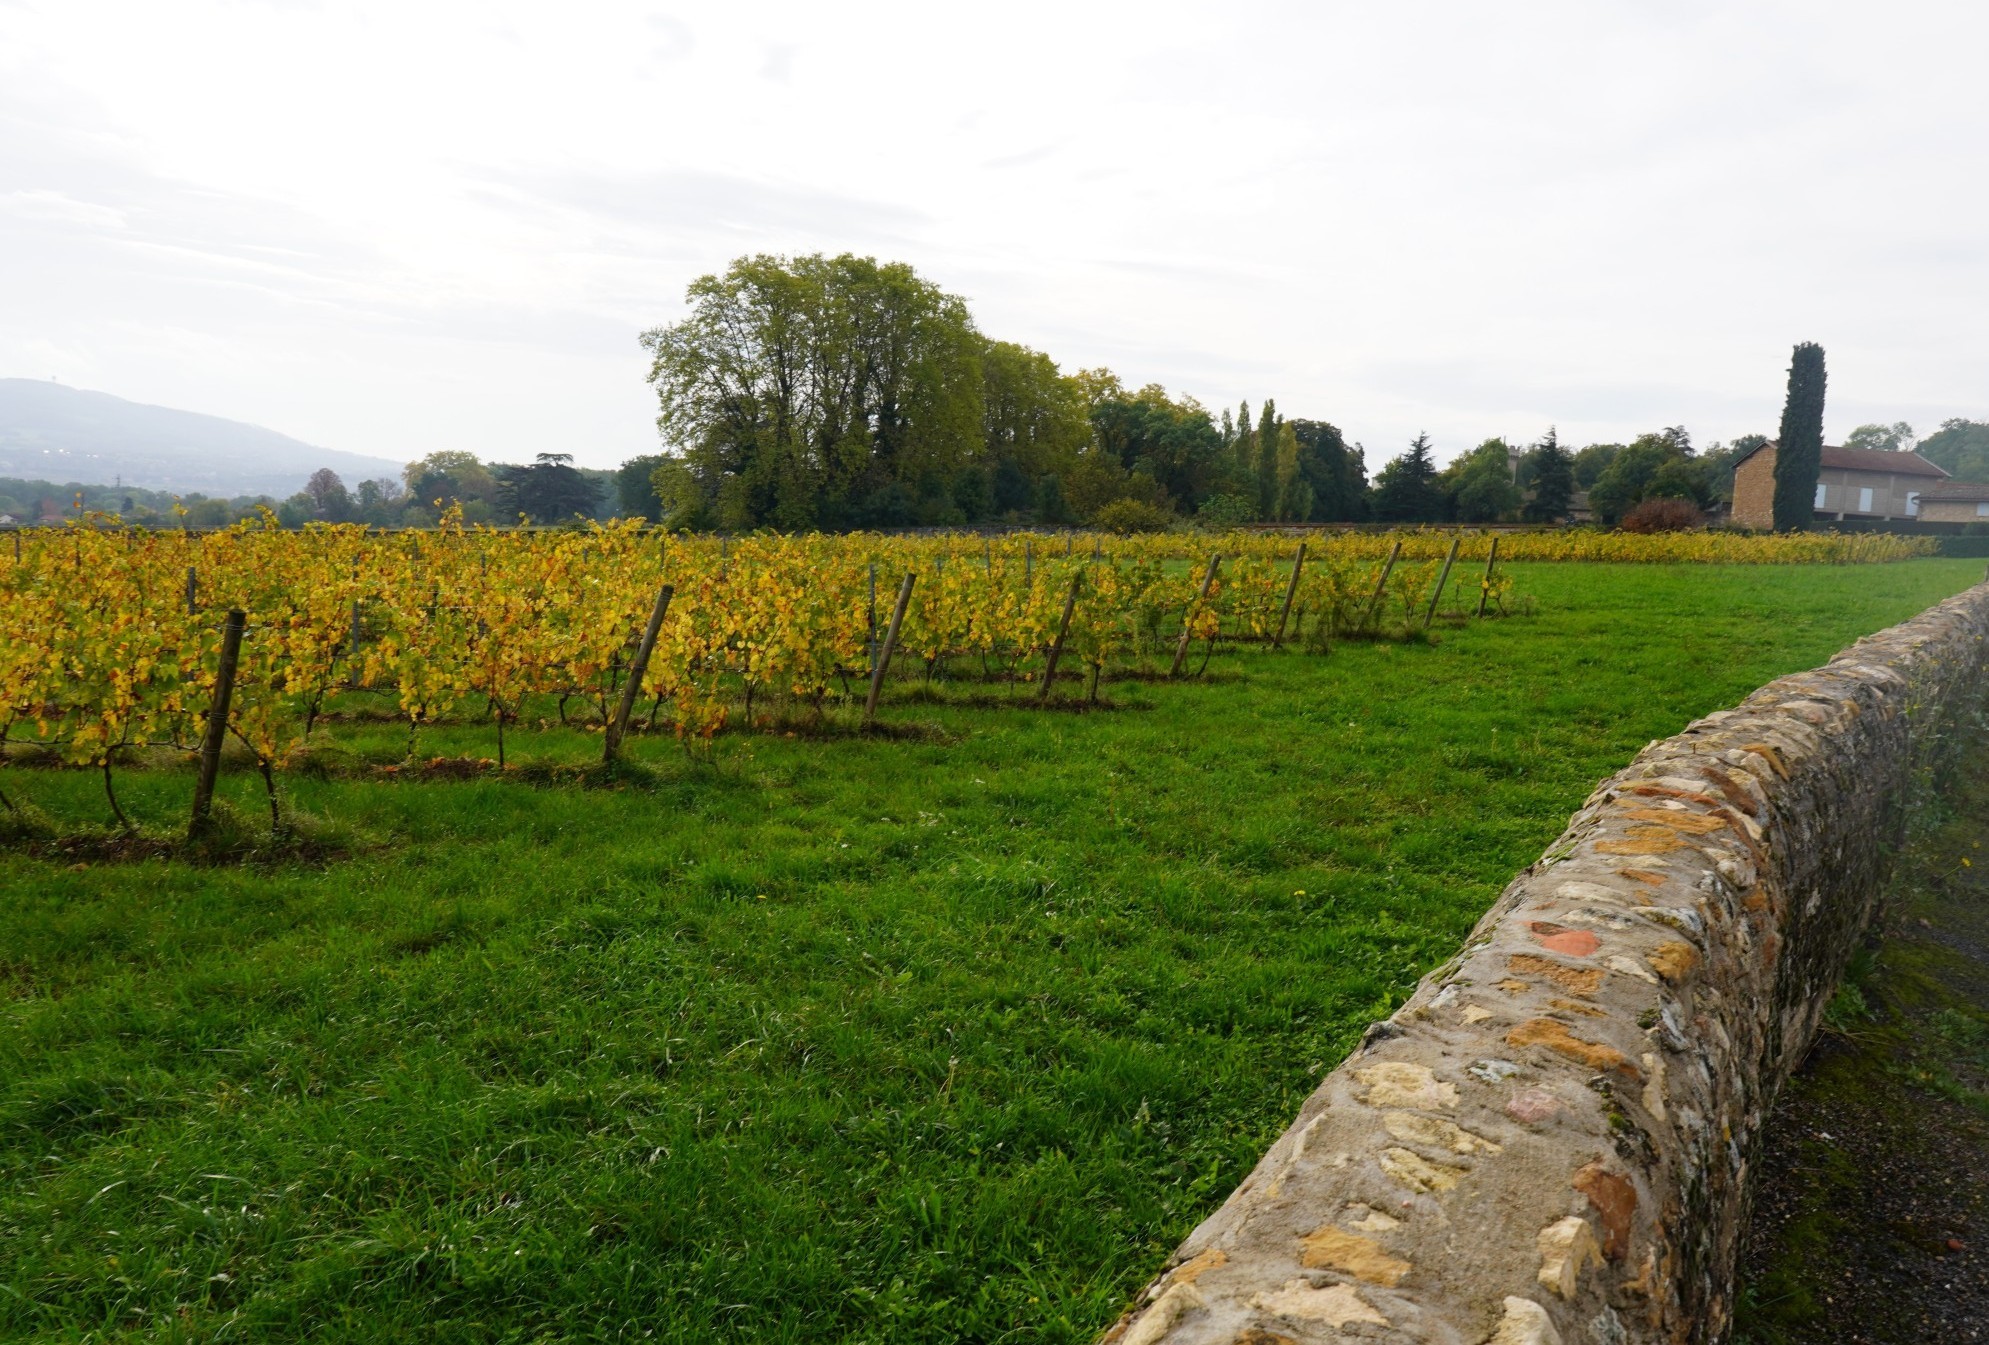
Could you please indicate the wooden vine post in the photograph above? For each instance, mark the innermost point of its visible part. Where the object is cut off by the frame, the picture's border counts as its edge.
(352, 650)
(1188, 621)
(1057, 645)
(619, 725)
(1485, 584)
(1443, 578)
(217, 722)
(1291, 591)
(1380, 585)
(192, 591)
(884, 655)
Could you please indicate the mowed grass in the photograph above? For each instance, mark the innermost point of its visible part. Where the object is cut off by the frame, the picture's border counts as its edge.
(946, 1038)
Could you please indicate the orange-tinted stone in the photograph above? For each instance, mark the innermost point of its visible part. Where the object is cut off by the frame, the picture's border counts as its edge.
(1674, 960)
(1700, 824)
(1644, 840)
(1575, 980)
(1556, 1037)
(1560, 939)
(1615, 1200)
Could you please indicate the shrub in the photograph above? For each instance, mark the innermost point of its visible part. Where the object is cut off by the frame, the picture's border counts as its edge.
(1226, 511)
(1130, 516)
(1664, 515)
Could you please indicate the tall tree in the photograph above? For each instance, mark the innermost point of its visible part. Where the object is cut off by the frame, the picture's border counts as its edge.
(1591, 462)
(1551, 471)
(1891, 438)
(1171, 441)
(1960, 447)
(551, 490)
(1480, 485)
(1336, 472)
(1294, 492)
(1268, 421)
(1651, 464)
(821, 391)
(1799, 451)
(635, 490)
(1406, 491)
(329, 499)
(1243, 456)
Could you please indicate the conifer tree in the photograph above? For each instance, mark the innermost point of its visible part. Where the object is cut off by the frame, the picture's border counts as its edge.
(1553, 480)
(1244, 450)
(1799, 452)
(1294, 492)
(1406, 491)
(1267, 459)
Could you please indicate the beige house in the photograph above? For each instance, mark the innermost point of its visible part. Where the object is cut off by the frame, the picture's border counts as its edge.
(1864, 483)
(1955, 502)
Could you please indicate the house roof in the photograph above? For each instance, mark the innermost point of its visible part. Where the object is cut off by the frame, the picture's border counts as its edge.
(1879, 460)
(1868, 460)
(1964, 491)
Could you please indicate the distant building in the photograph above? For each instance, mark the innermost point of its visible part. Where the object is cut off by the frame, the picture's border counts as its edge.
(1856, 483)
(1955, 502)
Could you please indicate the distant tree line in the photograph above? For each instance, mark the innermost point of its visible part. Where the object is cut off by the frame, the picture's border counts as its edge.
(837, 392)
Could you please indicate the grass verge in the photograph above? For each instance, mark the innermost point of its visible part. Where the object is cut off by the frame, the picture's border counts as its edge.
(947, 1037)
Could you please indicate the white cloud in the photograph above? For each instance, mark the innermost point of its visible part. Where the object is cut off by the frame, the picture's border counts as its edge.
(393, 228)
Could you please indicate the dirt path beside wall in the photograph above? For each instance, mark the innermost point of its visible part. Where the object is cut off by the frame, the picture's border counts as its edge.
(1871, 1221)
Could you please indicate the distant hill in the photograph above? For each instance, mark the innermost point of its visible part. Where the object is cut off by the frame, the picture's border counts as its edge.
(55, 433)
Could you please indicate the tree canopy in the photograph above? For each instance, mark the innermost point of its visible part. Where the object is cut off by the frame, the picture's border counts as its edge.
(1960, 447)
(841, 392)
(1406, 491)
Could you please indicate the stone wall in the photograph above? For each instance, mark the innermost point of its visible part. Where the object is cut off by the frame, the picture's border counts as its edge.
(1550, 1141)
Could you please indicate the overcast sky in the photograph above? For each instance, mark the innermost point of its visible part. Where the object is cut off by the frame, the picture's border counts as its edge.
(391, 228)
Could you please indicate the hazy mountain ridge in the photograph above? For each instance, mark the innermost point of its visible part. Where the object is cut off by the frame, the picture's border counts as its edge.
(52, 432)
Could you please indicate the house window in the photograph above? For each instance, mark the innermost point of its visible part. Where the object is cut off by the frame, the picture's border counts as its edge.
(1912, 504)
(1864, 499)
(1982, 510)
(1820, 489)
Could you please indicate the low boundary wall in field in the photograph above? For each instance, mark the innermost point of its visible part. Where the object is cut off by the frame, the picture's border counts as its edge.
(1549, 1144)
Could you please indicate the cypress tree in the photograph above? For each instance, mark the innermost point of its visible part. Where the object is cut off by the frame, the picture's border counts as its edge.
(1268, 421)
(1244, 464)
(1799, 453)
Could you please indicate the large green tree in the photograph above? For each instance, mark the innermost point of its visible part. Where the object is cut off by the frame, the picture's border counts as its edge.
(1893, 438)
(550, 490)
(1479, 487)
(1336, 471)
(821, 391)
(1657, 465)
(1174, 442)
(635, 488)
(1960, 447)
(1406, 491)
(1799, 449)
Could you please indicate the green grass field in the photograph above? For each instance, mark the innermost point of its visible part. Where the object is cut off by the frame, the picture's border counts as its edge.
(946, 1037)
